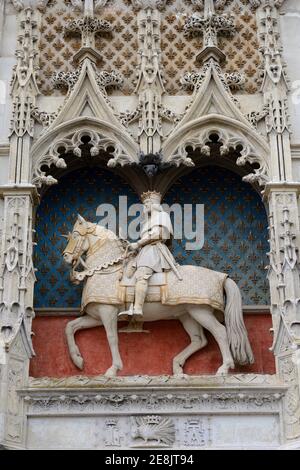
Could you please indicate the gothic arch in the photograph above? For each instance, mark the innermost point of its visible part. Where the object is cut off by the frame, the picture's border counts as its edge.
(232, 134)
(103, 136)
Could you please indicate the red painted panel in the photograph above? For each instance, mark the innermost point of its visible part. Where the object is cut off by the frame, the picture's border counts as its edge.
(148, 354)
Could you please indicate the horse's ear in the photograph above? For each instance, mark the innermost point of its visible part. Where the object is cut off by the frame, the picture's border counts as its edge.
(81, 219)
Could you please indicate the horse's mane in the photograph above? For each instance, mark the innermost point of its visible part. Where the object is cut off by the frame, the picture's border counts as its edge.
(102, 231)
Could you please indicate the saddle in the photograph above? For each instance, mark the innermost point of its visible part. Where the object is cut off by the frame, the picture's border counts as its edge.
(156, 281)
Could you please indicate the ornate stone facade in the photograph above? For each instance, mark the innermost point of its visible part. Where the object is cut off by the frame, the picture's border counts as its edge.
(197, 83)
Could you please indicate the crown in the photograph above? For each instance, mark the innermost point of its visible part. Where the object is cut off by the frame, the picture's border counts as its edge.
(152, 419)
(151, 196)
(111, 422)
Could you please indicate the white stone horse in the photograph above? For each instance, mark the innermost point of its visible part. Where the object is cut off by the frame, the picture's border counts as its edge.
(103, 268)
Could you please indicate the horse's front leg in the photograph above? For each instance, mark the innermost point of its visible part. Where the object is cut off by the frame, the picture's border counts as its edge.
(71, 328)
(109, 317)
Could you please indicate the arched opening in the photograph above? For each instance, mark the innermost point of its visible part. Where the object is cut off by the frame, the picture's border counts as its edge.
(235, 226)
(79, 191)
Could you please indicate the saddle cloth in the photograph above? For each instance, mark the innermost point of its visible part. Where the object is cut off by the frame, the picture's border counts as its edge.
(199, 286)
(157, 279)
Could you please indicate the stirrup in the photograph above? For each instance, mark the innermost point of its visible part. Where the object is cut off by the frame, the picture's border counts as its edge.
(127, 313)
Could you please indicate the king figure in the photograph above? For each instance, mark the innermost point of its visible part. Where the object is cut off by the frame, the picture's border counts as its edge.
(153, 254)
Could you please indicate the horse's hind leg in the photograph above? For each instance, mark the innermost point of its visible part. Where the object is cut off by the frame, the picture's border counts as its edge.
(198, 341)
(204, 315)
(71, 328)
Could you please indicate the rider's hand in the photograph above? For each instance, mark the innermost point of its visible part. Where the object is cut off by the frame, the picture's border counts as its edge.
(134, 246)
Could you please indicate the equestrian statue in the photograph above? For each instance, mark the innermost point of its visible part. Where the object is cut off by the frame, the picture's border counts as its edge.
(141, 282)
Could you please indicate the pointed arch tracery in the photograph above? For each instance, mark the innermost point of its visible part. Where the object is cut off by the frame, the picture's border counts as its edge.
(251, 148)
(67, 137)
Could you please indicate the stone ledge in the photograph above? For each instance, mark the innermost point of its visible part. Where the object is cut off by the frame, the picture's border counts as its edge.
(164, 381)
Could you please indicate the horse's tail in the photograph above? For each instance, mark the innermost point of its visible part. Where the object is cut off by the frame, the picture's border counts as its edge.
(235, 326)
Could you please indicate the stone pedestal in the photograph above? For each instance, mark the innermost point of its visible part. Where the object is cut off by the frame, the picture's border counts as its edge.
(208, 412)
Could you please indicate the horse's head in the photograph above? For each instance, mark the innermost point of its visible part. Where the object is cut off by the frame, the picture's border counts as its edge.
(78, 242)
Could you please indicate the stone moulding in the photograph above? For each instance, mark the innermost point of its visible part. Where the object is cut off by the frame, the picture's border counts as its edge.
(153, 412)
(236, 380)
(72, 143)
(244, 393)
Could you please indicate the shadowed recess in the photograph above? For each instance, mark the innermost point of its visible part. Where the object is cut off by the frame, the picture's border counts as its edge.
(235, 229)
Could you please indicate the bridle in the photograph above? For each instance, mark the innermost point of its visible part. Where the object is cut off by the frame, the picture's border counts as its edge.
(74, 248)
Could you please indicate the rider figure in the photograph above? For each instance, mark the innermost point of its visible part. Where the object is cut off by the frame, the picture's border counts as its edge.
(153, 254)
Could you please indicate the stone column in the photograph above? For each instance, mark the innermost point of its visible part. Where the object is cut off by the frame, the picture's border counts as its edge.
(150, 87)
(16, 267)
(282, 193)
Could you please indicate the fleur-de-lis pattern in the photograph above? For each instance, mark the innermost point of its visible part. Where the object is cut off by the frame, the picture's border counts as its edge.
(119, 49)
(235, 229)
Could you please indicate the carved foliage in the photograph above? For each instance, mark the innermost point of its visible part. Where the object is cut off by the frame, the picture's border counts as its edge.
(248, 153)
(73, 143)
(152, 4)
(104, 80)
(193, 80)
(22, 4)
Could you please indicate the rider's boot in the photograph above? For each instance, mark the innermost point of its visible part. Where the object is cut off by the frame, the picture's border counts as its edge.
(141, 288)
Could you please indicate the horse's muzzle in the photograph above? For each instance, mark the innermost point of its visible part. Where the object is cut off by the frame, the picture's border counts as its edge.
(68, 258)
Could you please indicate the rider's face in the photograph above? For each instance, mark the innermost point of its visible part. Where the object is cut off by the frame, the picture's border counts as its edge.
(147, 207)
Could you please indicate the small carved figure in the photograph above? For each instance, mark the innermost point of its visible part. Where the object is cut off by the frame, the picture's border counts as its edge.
(155, 429)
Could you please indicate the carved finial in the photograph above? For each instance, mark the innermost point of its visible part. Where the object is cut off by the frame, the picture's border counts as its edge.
(88, 27)
(209, 8)
(210, 25)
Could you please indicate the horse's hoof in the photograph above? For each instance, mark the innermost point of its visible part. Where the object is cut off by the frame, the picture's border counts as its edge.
(180, 375)
(111, 372)
(224, 369)
(78, 361)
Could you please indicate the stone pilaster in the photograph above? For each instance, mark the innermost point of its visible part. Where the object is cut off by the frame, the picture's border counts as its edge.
(16, 268)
